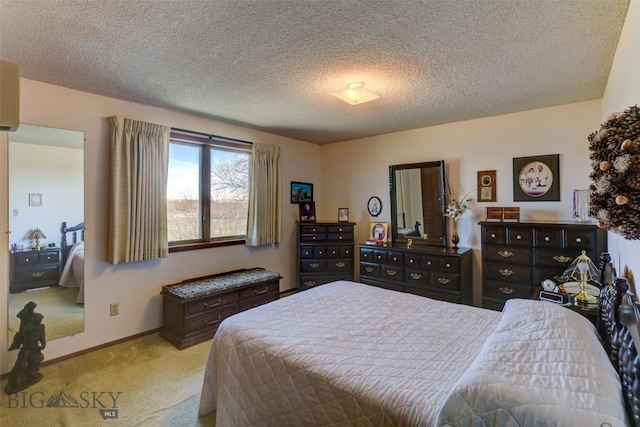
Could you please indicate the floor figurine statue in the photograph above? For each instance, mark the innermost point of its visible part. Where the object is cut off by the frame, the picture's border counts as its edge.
(25, 315)
(31, 341)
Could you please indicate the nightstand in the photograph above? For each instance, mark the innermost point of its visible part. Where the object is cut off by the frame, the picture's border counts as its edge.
(34, 269)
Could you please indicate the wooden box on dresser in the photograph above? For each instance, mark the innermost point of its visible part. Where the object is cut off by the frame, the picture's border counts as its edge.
(430, 271)
(518, 256)
(325, 253)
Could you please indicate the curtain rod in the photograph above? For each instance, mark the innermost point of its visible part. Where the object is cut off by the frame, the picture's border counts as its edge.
(211, 136)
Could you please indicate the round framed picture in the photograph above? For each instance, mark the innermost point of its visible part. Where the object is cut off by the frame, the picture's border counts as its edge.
(536, 179)
(374, 206)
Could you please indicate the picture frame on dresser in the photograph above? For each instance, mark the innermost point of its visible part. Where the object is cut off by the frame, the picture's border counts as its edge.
(343, 215)
(536, 178)
(307, 211)
(379, 231)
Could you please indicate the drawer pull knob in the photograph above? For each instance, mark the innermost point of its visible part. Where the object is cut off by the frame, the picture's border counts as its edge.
(505, 290)
(443, 280)
(213, 322)
(314, 265)
(261, 291)
(428, 262)
(340, 264)
(578, 240)
(519, 237)
(416, 276)
(505, 254)
(310, 283)
(368, 269)
(561, 258)
(410, 261)
(37, 274)
(391, 272)
(216, 304)
(546, 239)
(493, 235)
(506, 272)
(448, 265)
(395, 258)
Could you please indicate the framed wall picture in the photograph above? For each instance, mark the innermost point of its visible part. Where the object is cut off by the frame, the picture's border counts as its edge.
(35, 199)
(301, 192)
(486, 186)
(378, 231)
(343, 214)
(307, 211)
(536, 178)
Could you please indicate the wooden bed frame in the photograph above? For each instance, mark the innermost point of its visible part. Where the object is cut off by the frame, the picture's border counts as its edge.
(619, 325)
(66, 247)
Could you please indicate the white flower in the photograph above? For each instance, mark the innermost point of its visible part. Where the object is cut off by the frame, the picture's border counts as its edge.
(456, 208)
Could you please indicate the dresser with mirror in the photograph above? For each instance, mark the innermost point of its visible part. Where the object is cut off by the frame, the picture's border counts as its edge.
(418, 260)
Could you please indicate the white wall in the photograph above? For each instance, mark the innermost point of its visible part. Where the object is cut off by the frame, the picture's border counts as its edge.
(623, 91)
(57, 174)
(466, 147)
(137, 286)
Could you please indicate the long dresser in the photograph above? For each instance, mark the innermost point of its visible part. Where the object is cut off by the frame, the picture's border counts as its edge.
(518, 256)
(430, 271)
(325, 253)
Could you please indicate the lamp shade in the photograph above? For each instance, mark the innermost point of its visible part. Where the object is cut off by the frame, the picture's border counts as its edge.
(9, 96)
(36, 234)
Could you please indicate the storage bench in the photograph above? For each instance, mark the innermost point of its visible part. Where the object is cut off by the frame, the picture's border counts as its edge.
(193, 308)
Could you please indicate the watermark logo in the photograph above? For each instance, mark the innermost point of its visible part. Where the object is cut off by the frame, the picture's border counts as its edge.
(106, 402)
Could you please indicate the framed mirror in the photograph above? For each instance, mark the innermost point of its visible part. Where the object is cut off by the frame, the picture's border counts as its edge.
(418, 199)
(46, 225)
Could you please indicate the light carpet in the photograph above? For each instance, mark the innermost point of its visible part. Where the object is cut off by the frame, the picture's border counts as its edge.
(151, 382)
(62, 314)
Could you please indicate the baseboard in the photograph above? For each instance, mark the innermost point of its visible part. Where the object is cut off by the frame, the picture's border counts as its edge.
(88, 350)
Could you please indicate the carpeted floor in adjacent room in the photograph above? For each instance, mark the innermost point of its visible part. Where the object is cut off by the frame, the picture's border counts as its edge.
(153, 383)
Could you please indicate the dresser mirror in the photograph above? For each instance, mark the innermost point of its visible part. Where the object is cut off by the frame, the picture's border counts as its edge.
(418, 203)
(46, 263)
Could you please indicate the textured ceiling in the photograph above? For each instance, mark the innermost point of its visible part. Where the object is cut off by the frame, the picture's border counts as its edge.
(272, 65)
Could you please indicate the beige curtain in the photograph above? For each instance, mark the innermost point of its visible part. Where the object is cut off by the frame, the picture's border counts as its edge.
(138, 186)
(263, 223)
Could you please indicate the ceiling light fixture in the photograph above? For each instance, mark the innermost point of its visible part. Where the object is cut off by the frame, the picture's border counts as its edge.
(356, 94)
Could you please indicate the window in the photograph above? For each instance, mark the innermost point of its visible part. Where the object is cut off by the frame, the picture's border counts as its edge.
(207, 190)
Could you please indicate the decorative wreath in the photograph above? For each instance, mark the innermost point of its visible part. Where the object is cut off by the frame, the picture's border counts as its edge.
(615, 187)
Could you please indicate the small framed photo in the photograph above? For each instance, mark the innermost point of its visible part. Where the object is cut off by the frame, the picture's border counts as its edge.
(378, 231)
(536, 178)
(343, 214)
(486, 186)
(301, 192)
(35, 199)
(307, 211)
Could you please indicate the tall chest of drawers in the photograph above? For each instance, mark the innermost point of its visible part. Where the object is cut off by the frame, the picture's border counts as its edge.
(325, 253)
(430, 271)
(517, 257)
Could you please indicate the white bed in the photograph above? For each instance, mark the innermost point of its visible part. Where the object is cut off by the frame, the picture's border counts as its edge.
(352, 354)
(73, 272)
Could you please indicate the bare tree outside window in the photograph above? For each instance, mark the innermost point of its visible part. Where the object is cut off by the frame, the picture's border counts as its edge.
(195, 216)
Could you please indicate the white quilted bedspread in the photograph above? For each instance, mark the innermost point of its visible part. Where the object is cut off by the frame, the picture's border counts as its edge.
(341, 354)
(543, 366)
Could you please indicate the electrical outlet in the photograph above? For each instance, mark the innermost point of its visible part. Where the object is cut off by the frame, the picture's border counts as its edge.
(114, 309)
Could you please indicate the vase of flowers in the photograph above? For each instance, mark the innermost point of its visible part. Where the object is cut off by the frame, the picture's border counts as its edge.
(455, 209)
